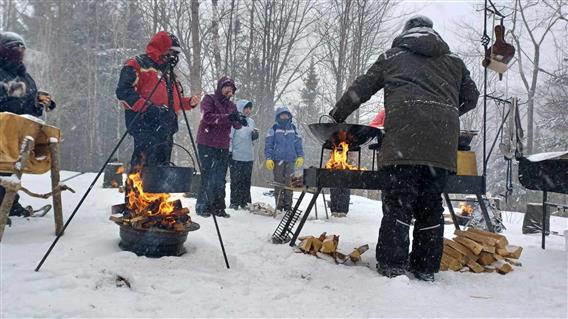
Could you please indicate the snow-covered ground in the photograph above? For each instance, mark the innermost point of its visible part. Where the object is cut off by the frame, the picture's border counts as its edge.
(265, 280)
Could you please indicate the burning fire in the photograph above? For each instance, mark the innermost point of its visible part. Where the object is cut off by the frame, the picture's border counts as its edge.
(466, 209)
(338, 158)
(146, 204)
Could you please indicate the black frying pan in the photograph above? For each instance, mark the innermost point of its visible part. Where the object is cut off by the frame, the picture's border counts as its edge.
(353, 134)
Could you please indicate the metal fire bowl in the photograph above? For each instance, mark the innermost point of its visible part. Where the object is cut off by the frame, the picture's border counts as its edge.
(353, 134)
(465, 140)
(154, 242)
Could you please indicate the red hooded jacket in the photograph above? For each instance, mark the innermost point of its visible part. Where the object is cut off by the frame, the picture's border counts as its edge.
(140, 74)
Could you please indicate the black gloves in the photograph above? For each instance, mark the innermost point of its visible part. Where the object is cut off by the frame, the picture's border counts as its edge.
(238, 117)
(254, 134)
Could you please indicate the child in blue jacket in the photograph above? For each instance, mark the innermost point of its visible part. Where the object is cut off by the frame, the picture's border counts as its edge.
(283, 150)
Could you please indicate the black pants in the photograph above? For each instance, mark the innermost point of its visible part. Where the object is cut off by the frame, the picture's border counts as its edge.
(17, 209)
(151, 149)
(414, 191)
(214, 164)
(339, 200)
(283, 172)
(241, 173)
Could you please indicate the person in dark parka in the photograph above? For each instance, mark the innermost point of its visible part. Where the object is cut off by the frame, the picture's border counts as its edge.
(426, 89)
(18, 94)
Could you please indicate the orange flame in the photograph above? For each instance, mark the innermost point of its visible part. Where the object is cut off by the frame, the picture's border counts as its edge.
(466, 210)
(338, 158)
(146, 204)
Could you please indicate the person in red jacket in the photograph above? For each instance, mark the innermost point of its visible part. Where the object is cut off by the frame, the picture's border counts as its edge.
(154, 129)
(379, 120)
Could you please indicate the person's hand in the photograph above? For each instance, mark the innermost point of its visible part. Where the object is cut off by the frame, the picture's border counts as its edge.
(44, 101)
(15, 88)
(254, 134)
(270, 164)
(299, 162)
(238, 117)
(195, 100)
(234, 117)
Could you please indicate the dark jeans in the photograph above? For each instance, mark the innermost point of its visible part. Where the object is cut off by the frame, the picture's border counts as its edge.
(414, 191)
(241, 173)
(151, 149)
(339, 200)
(17, 209)
(283, 175)
(214, 164)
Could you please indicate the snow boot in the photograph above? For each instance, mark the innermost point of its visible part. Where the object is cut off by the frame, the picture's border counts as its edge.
(221, 213)
(204, 214)
(428, 277)
(234, 206)
(338, 215)
(390, 272)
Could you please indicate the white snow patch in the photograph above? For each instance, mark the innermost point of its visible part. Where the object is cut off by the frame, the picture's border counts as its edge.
(546, 156)
(265, 280)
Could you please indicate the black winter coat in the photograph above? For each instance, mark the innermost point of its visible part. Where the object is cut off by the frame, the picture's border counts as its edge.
(426, 89)
(19, 105)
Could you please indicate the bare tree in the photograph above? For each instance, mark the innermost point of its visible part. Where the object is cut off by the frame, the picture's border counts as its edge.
(538, 26)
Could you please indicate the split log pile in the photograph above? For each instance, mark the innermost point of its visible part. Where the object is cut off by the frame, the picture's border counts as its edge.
(325, 247)
(178, 220)
(479, 251)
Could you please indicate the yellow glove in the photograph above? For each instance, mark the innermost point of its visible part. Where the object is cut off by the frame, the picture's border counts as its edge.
(299, 162)
(270, 164)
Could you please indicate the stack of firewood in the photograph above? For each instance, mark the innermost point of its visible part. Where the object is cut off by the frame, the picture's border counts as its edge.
(325, 247)
(479, 251)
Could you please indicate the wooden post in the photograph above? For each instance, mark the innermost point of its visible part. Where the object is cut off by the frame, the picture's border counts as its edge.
(10, 195)
(57, 205)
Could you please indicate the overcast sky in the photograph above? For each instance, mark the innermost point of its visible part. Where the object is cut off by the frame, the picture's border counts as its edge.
(444, 14)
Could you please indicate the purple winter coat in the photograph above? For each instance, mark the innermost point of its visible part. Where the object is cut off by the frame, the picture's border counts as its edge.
(215, 127)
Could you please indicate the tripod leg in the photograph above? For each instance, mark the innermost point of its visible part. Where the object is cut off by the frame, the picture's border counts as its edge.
(452, 212)
(305, 217)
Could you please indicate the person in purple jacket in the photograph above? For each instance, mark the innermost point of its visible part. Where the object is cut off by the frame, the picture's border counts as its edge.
(219, 115)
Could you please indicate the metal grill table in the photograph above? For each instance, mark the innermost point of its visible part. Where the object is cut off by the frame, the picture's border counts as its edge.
(320, 178)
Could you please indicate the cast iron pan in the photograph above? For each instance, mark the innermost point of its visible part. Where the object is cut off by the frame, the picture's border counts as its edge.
(353, 134)
(167, 179)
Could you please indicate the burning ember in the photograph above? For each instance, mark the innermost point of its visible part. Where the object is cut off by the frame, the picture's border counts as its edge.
(338, 158)
(466, 210)
(147, 210)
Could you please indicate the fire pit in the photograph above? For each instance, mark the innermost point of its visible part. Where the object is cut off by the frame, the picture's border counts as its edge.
(150, 224)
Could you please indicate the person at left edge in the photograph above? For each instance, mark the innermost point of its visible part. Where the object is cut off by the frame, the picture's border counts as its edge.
(154, 129)
(19, 95)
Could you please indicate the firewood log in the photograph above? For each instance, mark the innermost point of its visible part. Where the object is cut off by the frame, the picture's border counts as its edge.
(501, 241)
(461, 248)
(485, 259)
(443, 266)
(454, 253)
(503, 267)
(514, 251)
(116, 219)
(329, 245)
(487, 241)
(452, 263)
(355, 256)
(472, 245)
(488, 249)
(475, 267)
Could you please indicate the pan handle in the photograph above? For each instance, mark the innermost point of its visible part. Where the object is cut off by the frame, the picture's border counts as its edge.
(327, 116)
(188, 153)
